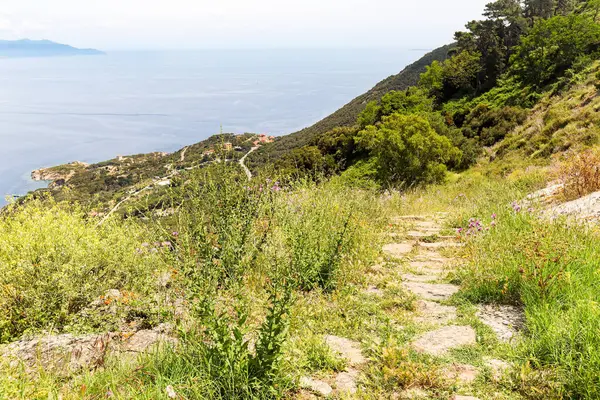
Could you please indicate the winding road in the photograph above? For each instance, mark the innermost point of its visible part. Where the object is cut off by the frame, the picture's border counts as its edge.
(243, 165)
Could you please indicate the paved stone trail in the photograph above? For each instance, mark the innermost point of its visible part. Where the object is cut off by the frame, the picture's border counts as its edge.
(423, 267)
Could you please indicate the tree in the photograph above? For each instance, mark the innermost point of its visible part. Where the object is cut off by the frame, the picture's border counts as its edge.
(409, 101)
(494, 39)
(407, 150)
(460, 74)
(552, 46)
(370, 115)
(535, 9)
(432, 80)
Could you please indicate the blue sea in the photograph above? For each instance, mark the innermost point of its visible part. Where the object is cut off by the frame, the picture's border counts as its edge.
(93, 108)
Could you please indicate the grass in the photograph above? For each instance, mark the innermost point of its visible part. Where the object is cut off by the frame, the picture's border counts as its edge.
(547, 267)
(267, 271)
(236, 253)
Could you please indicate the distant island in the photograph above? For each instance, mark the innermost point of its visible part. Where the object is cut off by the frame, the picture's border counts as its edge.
(40, 48)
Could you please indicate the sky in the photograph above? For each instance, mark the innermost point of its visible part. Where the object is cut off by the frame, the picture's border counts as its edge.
(198, 24)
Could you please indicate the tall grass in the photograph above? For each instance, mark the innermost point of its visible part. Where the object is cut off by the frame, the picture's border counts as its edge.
(548, 267)
(238, 252)
(54, 262)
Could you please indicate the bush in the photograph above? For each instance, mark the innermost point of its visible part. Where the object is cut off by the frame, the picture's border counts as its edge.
(54, 262)
(579, 173)
(321, 231)
(407, 150)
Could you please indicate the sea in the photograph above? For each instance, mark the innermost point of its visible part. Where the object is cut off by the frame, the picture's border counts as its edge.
(93, 108)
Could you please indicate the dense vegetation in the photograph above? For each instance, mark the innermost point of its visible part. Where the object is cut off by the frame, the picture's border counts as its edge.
(253, 272)
(498, 69)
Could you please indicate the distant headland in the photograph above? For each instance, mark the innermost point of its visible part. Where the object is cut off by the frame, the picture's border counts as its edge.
(40, 48)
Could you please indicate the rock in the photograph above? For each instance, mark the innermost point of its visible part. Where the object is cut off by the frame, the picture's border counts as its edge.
(431, 291)
(349, 349)
(420, 266)
(505, 321)
(145, 340)
(586, 208)
(419, 278)
(66, 354)
(546, 195)
(419, 234)
(411, 218)
(411, 394)
(498, 368)
(432, 257)
(440, 245)
(378, 269)
(398, 249)
(438, 342)
(374, 291)
(462, 373)
(164, 279)
(345, 382)
(113, 294)
(62, 354)
(316, 386)
(434, 313)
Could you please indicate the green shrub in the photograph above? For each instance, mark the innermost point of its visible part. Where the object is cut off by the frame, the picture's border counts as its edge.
(407, 150)
(54, 262)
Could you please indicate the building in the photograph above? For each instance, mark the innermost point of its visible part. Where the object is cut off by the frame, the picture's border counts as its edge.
(227, 146)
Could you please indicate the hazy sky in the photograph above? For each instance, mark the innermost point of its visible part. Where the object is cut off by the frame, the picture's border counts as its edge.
(180, 24)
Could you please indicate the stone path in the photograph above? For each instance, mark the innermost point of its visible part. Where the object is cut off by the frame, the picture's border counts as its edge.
(422, 252)
(427, 270)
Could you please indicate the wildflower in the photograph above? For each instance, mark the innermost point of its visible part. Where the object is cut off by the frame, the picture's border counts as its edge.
(530, 210)
(109, 393)
(516, 207)
(175, 233)
(171, 392)
(493, 223)
(494, 216)
(166, 244)
(145, 244)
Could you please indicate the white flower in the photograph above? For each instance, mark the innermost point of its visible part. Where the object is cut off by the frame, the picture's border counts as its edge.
(171, 392)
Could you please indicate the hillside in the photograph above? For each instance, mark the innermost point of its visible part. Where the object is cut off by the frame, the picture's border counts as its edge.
(347, 115)
(40, 48)
(443, 245)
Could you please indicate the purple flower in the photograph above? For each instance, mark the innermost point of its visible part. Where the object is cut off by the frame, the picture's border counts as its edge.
(175, 233)
(494, 216)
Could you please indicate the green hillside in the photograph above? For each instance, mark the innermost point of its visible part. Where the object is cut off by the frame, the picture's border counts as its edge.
(347, 115)
(436, 239)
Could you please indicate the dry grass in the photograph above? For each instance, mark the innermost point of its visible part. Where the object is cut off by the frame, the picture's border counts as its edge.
(579, 173)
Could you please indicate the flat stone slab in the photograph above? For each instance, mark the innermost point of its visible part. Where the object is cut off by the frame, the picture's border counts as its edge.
(349, 349)
(411, 218)
(345, 382)
(420, 278)
(374, 291)
(412, 394)
(440, 341)
(427, 224)
(505, 321)
(498, 368)
(316, 386)
(398, 249)
(464, 374)
(420, 266)
(432, 257)
(441, 245)
(419, 234)
(432, 291)
(435, 313)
